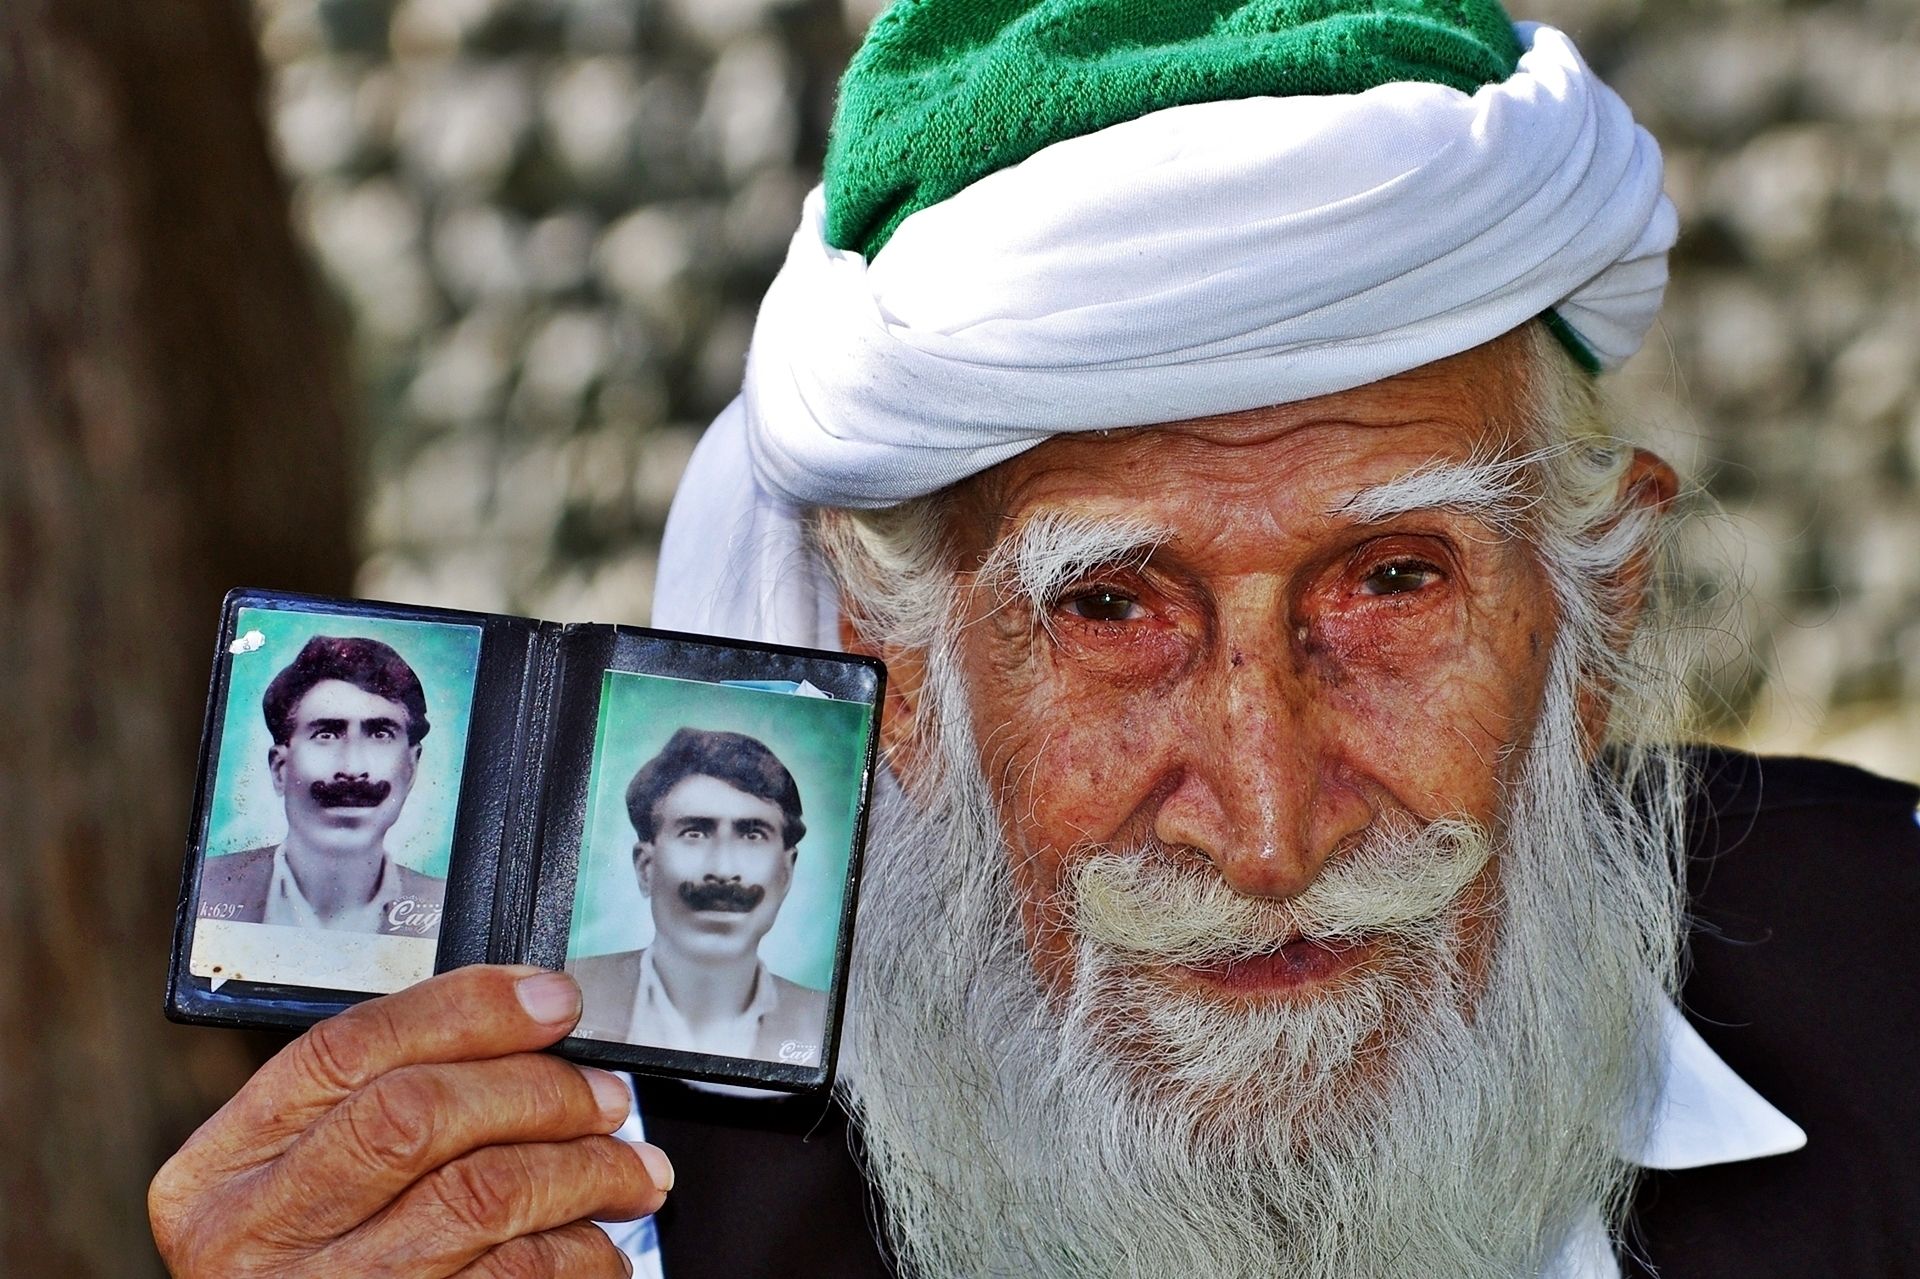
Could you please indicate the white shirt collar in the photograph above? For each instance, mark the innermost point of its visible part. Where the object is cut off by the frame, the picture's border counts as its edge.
(288, 906)
(656, 1021)
(1704, 1114)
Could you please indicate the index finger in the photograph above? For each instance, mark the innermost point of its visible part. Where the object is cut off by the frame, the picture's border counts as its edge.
(470, 1014)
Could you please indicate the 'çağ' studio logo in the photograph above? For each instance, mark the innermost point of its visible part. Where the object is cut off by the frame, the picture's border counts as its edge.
(410, 915)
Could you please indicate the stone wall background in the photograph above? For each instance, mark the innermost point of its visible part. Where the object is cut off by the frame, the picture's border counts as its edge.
(548, 223)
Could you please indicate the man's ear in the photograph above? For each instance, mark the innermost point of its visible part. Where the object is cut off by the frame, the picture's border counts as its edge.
(1647, 487)
(902, 740)
(1650, 475)
(277, 768)
(643, 864)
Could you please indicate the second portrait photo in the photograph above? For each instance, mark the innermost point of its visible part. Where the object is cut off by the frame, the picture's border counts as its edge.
(713, 869)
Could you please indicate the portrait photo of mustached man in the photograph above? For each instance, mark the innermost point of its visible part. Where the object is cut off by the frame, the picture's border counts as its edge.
(717, 828)
(348, 719)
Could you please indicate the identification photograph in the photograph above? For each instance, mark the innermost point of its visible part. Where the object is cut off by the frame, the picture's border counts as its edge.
(331, 820)
(713, 873)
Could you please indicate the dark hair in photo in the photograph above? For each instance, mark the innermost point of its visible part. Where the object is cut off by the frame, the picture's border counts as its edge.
(367, 664)
(742, 762)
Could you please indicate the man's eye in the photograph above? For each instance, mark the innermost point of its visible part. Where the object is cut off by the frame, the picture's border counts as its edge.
(1399, 577)
(1104, 604)
(382, 734)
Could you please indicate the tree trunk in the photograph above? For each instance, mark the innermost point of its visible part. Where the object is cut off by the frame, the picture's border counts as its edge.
(170, 426)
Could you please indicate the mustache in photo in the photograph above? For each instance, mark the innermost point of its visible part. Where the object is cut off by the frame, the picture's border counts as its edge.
(722, 894)
(351, 792)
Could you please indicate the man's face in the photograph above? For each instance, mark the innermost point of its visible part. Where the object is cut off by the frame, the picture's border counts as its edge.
(717, 868)
(346, 769)
(1280, 676)
(1292, 819)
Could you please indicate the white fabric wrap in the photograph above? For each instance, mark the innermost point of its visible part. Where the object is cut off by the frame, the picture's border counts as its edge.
(1199, 260)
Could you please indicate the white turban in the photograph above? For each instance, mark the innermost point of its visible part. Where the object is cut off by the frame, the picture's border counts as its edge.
(1199, 260)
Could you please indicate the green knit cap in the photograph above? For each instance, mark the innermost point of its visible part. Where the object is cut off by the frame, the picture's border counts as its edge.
(944, 92)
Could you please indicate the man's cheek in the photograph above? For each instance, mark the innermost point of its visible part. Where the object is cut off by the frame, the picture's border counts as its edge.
(1377, 650)
(1038, 889)
(1443, 743)
(1070, 793)
(1071, 767)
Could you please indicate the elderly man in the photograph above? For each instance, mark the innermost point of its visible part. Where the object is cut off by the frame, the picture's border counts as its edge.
(1194, 405)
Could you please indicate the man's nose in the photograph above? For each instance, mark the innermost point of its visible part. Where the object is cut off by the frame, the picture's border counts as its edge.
(352, 758)
(1261, 790)
(725, 856)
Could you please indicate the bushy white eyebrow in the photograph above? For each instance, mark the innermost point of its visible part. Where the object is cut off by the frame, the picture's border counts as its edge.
(1494, 492)
(1054, 548)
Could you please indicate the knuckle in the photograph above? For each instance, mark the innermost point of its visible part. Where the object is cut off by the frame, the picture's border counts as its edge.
(395, 1120)
(479, 998)
(484, 1193)
(186, 1218)
(558, 1088)
(614, 1178)
(479, 990)
(614, 1161)
(179, 1200)
(334, 1053)
(534, 1257)
(576, 1251)
(166, 1207)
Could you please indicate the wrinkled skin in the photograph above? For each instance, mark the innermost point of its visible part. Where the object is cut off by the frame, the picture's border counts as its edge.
(419, 1134)
(1277, 676)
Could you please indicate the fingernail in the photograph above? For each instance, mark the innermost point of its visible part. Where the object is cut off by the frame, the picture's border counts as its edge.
(610, 1093)
(659, 1167)
(549, 998)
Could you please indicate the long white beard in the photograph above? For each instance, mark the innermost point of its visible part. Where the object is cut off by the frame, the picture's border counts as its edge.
(1413, 1123)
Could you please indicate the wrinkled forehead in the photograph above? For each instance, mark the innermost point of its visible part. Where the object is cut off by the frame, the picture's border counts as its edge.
(1287, 461)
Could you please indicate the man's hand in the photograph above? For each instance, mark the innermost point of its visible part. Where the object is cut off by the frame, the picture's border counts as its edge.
(419, 1134)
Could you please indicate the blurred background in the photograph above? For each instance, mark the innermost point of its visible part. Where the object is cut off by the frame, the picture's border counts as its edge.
(429, 300)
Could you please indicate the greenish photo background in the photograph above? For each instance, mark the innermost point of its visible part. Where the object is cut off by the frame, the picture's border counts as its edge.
(823, 743)
(246, 813)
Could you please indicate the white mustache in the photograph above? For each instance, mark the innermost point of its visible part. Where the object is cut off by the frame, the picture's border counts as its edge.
(1396, 880)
